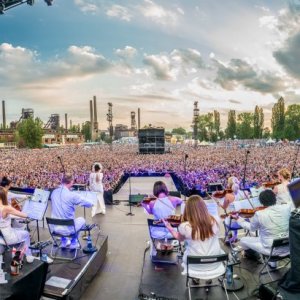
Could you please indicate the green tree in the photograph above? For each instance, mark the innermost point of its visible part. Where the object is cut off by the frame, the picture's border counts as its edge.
(292, 122)
(30, 132)
(231, 124)
(86, 130)
(179, 130)
(266, 133)
(217, 122)
(258, 122)
(278, 119)
(244, 126)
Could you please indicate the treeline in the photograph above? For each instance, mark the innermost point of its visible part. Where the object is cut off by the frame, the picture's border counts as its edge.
(285, 124)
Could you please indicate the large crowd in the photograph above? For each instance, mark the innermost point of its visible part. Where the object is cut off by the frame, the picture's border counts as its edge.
(196, 167)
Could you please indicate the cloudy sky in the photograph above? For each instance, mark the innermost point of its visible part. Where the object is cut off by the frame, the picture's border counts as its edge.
(159, 55)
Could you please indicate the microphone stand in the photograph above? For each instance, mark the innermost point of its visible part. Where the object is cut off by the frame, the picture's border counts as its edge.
(130, 197)
(295, 161)
(185, 189)
(244, 176)
(62, 165)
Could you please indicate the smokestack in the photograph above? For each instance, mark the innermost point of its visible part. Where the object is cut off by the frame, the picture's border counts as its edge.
(95, 109)
(139, 118)
(66, 121)
(71, 124)
(91, 118)
(3, 114)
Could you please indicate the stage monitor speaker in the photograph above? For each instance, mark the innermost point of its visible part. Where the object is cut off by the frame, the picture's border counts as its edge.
(108, 197)
(137, 198)
(213, 187)
(175, 194)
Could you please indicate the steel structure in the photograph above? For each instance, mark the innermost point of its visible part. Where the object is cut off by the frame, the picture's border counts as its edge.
(109, 118)
(195, 122)
(8, 4)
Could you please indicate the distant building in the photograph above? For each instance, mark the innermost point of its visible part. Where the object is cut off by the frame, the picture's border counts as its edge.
(123, 131)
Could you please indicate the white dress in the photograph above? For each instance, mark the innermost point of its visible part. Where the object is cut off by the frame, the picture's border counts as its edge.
(13, 235)
(97, 186)
(207, 247)
(283, 195)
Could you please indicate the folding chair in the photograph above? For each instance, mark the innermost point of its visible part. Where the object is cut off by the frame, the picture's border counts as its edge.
(67, 223)
(278, 244)
(198, 260)
(7, 246)
(158, 232)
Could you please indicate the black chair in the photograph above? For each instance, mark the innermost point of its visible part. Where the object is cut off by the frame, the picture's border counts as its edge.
(278, 244)
(198, 260)
(155, 226)
(57, 237)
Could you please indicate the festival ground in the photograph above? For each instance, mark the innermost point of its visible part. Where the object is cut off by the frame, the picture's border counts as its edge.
(128, 271)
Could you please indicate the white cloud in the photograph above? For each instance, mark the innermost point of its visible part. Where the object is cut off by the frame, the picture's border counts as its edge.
(127, 53)
(86, 6)
(158, 13)
(271, 22)
(120, 12)
(161, 66)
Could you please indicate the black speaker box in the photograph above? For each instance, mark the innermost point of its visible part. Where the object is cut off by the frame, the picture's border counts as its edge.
(268, 291)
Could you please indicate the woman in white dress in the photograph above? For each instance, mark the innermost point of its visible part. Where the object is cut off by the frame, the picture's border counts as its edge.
(200, 231)
(96, 185)
(281, 190)
(12, 235)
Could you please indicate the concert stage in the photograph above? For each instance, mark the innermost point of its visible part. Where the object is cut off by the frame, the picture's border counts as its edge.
(69, 279)
(165, 281)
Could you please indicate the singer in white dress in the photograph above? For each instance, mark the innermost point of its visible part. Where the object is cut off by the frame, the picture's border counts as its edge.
(96, 185)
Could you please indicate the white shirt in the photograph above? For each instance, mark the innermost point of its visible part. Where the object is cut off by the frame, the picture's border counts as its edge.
(64, 202)
(272, 223)
(207, 247)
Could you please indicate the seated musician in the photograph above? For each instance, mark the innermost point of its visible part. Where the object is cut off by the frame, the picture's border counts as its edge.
(64, 203)
(200, 231)
(281, 190)
(272, 223)
(12, 199)
(160, 208)
(12, 235)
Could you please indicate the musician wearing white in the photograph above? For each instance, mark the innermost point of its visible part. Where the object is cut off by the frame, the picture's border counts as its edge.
(200, 231)
(11, 235)
(272, 223)
(64, 203)
(281, 190)
(96, 185)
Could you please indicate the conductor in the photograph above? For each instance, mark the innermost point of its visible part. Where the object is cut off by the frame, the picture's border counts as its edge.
(64, 203)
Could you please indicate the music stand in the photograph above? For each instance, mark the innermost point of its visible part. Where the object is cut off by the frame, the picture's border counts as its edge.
(35, 207)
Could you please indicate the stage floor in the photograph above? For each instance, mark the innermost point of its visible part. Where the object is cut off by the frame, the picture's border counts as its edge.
(125, 274)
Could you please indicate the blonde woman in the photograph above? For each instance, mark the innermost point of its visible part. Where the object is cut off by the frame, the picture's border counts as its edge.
(96, 185)
(281, 190)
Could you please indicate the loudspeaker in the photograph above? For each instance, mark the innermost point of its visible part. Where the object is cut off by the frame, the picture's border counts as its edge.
(151, 141)
(212, 187)
(108, 197)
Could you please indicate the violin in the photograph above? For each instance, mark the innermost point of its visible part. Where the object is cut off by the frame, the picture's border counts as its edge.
(147, 200)
(244, 212)
(174, 220)
(270, 184)
(221, 194)
(15, 204)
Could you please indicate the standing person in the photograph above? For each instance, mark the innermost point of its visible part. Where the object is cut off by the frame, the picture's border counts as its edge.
(281, 190)
(64, 203)
(12, 235)
(200, 231)
(161, 208)
(96, 185)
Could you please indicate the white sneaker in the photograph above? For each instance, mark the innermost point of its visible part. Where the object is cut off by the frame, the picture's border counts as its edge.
(272, 264)
(46, 259)
(65, 242)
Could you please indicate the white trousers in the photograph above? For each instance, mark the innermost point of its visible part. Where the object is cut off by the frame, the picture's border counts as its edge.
(99, 207)
(254, 243)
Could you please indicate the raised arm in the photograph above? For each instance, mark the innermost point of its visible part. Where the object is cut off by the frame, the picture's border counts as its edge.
(12, 211)
(177, 235)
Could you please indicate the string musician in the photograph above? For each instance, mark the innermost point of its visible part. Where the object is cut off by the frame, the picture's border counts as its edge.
(281, 190)
(200, 231)
(234, 194)
(162, 207)
(271, 222)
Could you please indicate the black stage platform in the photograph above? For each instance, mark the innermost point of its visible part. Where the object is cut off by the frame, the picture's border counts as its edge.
(80, 272)
(166, 282)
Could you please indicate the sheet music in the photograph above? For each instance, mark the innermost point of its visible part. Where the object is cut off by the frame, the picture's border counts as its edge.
(242, 204)
(212, 208)
(35, 207)
(255, 192)
(88, 195)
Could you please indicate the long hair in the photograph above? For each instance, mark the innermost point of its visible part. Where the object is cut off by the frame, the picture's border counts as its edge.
(160, 187)
(197, 215)
(97, 167)
(3, 196)
(285, 173)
